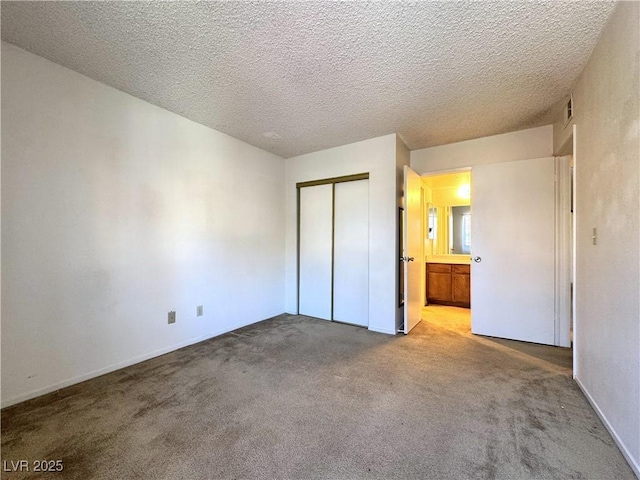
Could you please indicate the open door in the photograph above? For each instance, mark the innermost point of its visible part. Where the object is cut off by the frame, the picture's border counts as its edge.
(413, 244)
(513, 250)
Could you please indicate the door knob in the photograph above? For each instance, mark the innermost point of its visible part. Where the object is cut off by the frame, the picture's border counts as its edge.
(409, 259)
(477, 259)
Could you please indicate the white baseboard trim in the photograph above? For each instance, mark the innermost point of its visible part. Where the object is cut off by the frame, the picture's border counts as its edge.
(126, 363)
(633, 462)
(373, 328)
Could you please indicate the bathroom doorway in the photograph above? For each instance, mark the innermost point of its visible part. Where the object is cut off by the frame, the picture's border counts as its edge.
(447, 243)
(497, 242)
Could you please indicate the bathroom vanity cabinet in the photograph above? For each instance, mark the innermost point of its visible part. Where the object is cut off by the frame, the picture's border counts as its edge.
(449, 284)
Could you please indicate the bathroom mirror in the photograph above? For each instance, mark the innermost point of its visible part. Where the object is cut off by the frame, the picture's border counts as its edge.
(447, 216)
(460, 230)
(448, 230)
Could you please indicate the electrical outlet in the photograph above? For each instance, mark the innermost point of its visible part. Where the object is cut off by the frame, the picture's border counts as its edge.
(172, 317)
(199, 310)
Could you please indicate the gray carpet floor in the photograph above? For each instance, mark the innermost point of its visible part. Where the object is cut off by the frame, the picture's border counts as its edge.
(296, 398)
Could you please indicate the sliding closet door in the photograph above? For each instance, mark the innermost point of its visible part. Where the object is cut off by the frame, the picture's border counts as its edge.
(351, 253)
(315, 251)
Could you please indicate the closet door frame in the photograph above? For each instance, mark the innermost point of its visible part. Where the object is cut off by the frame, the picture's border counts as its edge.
(312, 183)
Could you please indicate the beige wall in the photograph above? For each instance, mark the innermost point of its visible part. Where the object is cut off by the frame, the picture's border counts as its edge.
(607, 159)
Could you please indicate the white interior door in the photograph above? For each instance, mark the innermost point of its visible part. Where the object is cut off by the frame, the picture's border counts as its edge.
(413, 245)
(351, 253)
(316, 204)
(513, 250)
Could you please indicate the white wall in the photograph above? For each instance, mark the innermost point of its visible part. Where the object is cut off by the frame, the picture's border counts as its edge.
(114, 212)
(377, 157)
(520, 145)
(607, 159)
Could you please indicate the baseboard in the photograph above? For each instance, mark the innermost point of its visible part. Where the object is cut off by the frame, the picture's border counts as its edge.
(633, 463)
(126, 363)
(382, 330)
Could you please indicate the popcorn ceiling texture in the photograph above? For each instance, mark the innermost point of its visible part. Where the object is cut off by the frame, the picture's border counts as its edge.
(323, 74)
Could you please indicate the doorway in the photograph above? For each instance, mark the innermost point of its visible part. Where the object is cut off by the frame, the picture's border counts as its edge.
(519, 248)
(448, 239)
(447, 246)
(568, 149)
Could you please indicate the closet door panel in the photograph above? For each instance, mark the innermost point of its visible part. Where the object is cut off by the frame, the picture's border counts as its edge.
(351, 253)
(315, 251)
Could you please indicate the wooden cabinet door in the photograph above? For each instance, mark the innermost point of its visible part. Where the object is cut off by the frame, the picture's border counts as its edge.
(440, 286)
(461, 289)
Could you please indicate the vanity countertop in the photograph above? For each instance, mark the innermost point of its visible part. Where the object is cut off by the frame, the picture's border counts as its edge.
(455, 259)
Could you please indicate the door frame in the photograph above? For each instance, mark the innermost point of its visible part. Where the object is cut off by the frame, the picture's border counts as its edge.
(574, 247)
(425, 221)
(563, 253)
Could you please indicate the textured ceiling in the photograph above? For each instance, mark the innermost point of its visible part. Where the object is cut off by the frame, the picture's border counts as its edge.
(313, 75)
